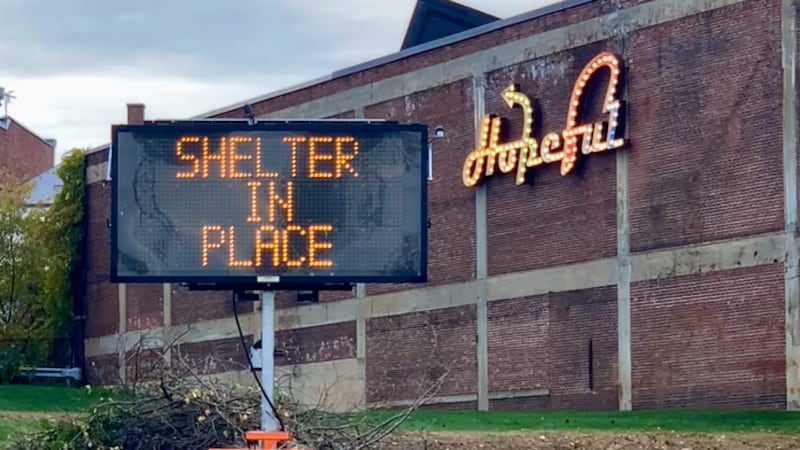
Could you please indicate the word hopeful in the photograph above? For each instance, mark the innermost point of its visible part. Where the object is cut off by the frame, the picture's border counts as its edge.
(526, 152)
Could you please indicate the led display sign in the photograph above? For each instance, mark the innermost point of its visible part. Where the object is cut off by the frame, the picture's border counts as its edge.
(274, 202)
(526, 152)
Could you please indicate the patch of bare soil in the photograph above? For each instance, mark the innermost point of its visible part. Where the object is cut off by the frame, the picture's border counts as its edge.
(34, 415)
(591, 441)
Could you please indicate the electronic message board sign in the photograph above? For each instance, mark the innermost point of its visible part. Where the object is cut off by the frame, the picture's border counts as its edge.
(281, 202)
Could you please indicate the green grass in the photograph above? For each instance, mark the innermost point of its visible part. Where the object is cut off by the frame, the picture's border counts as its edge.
(8, 427)
(664, 420)
(46, 398)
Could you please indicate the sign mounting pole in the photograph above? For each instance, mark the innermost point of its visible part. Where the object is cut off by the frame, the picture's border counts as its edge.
(268, 421)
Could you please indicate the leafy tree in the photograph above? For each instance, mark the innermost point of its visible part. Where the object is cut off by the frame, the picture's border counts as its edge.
(39, 258)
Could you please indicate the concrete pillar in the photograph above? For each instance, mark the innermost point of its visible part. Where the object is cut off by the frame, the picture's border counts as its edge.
(623, 285)
(481, 263)
(167, 296)
(121, 327)
(361, 315)
(135, 117)
(789, 58)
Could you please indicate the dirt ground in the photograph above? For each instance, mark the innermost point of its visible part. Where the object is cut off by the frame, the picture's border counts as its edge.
(592, 441)
(567, 440)
(24, 415)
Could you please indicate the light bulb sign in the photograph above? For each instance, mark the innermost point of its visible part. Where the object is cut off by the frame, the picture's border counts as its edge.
(526, 152)
(311, 202)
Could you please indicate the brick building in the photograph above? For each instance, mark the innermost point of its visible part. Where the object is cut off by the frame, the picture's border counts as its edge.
(23, 152)
(662, 273)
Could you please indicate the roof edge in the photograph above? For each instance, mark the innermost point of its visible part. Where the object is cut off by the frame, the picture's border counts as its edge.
(411, 51)
(28, 130)
(432, 45)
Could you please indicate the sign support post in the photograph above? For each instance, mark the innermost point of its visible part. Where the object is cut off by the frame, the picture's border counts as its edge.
(268, 421)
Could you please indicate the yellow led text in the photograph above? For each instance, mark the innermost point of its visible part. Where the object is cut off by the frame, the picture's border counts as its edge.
(290, 246)
(527, 152)
(272, 235)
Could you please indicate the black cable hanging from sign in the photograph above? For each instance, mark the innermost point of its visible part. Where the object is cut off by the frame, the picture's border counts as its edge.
(250, 363)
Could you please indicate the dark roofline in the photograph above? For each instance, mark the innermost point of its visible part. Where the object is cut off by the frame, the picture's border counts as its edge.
(417, 28)
(464, 35)
(27, 130)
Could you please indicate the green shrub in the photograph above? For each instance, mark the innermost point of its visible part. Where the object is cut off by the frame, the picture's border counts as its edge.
(11, 360)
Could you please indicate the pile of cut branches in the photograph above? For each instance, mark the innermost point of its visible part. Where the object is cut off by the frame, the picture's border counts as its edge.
(181, 411)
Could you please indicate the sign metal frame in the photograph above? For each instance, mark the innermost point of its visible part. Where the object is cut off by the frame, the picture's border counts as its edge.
(270, 282)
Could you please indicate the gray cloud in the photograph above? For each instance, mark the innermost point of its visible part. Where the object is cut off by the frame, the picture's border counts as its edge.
(200, 40)
(73, 64)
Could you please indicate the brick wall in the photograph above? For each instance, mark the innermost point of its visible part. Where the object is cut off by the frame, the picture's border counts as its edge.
(565, 342)
(144, 364)
(102, 370)
(215, 356)
(451, 210)
(145, 306)
(316, 344)
(23, 153)
(558, 219)
(582, 377)
(191, 306)
(704, 124)
(713, 340)
(706, 159)
(518, 338)
(102, 299)
(408, 352)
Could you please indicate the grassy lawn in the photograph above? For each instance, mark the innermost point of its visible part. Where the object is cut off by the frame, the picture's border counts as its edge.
(66, 399)
(665, 420)
(45, 398)
(10, 426)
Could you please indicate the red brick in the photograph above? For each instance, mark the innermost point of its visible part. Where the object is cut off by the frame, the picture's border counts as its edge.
(710, 340)
(98, 264)
(316, 344)
(558, 219)
(192, 306)
(520, 403)
(102, 309)
(145, 306)
(102, 369)
(97, 157)
(212, 357)
(24, 153)
(705, 160)
(518, 337)
(407, 353)
(543, 342)
(144, 365)
(576, 319)
(102, 299)
(451, 208)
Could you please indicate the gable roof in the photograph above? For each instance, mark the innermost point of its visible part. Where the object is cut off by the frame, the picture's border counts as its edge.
(45, 187)
(6, 121)
(435, 19)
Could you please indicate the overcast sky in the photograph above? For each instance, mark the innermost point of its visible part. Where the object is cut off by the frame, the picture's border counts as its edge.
(74, 64)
